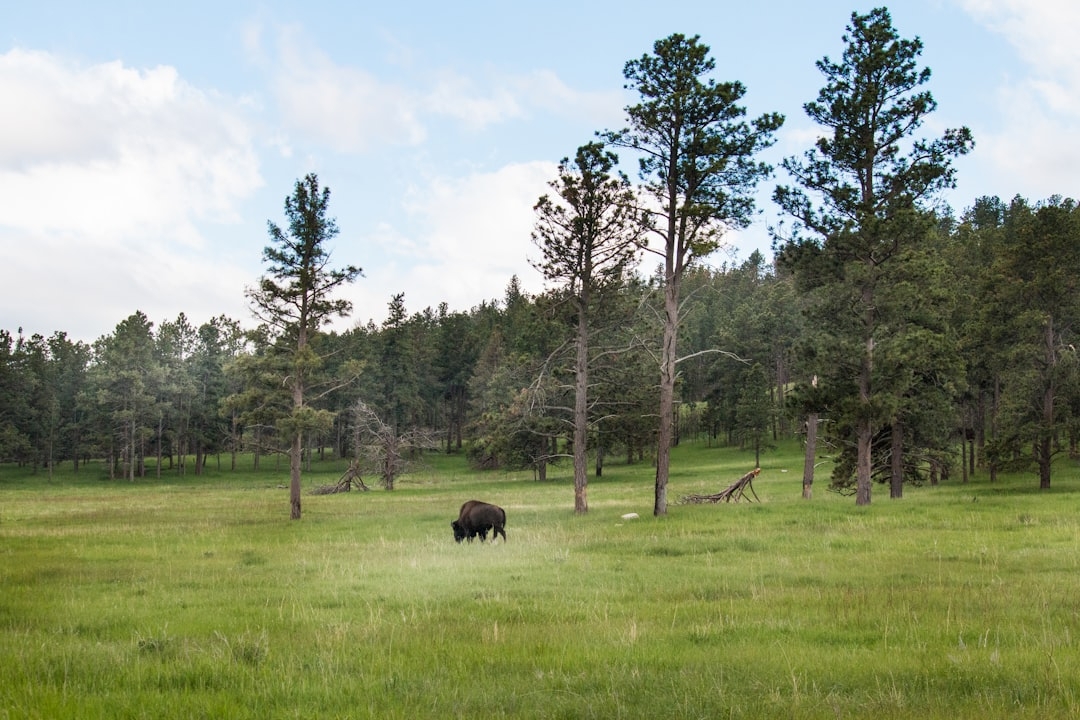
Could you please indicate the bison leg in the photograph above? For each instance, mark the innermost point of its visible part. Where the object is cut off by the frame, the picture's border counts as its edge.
(498, 531)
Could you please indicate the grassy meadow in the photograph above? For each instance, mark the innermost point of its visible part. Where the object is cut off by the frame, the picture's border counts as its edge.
(199, 598)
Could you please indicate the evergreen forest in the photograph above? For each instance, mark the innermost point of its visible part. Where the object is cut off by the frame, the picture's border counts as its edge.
(908, 342)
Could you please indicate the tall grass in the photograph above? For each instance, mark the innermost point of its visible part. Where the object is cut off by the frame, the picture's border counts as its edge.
(197, 597)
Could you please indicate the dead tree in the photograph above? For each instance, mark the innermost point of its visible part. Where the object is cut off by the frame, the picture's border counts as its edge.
(381, 449)
(345, 483)
(732, 493)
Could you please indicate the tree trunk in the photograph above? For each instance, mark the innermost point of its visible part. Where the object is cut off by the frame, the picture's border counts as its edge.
(667, 394)
(811, 455)
(864, 427)
(780, 423)
(963, 459)
(142, 458)
(1046, 432)
(996, 405)
(979, 424)
(581, 412)
(258, 447)
(131, 454)
(971, 453)
(1044, 463)
(896, 476)
(864, 442)
(294, 476)
(459, 416)
(296, 456)
(450, 429)
(181, 438)
(1043, 455)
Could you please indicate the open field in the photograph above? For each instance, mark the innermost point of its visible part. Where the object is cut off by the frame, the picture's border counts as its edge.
(197, 597)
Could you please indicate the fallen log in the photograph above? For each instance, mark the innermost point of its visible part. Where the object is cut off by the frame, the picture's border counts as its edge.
(732, 493)
(344, 484)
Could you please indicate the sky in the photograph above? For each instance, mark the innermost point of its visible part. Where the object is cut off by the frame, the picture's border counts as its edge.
(145, 146)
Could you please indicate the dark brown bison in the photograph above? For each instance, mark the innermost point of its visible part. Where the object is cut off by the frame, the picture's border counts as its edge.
(476, 518)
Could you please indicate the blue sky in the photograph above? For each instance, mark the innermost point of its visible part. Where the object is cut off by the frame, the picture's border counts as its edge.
(144, 146)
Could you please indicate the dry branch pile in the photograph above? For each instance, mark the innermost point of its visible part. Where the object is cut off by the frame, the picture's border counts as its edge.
(732, 493)
(345, 484)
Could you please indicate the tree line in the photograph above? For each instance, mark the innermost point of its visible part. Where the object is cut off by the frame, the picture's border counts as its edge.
(907, 343)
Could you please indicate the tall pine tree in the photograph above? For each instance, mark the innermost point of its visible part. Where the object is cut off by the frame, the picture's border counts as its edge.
(295, 298)
(697, 161)
(860, 195)
(588, 235)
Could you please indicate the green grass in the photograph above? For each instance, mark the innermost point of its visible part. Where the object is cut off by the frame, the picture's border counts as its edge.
(197, 597)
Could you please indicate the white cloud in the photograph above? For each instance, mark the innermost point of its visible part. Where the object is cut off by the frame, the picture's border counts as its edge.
(475, 233)
(796, 137)
(85, 289)
(455, 96)
(1041, 108)
(352, 109)
(1031, 154)
(517, 96)
(108, 150)
(1042, 31)
(346, 108)
(484, 214)
(545, 90)
(107, 174)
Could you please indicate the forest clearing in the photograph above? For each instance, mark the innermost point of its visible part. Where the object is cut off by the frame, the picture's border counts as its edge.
(195, 597)
(641, 435)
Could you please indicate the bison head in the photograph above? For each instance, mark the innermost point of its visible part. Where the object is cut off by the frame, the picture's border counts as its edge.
(459, 532)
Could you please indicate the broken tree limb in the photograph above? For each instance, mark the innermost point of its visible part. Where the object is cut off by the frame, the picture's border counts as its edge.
(345, 483)
(732, 493)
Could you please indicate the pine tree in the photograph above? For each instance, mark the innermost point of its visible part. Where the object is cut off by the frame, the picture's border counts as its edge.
(697, 160)
(588, 235)
(861, 195)
(296, 299)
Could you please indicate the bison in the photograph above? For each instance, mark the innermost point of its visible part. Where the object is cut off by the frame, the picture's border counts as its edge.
(476, 518)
